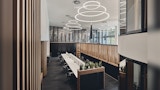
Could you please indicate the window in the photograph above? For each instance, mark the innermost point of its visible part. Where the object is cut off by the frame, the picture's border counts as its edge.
(107, 36)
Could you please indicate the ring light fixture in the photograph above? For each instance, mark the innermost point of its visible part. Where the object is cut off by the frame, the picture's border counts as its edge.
(75, 28)
(73, 25)
(72, 21)
(92, 7)
(85, 15)
(83, 20)
(66, 28)
(88, 4)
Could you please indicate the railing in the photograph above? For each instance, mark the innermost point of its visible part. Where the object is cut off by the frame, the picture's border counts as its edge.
(105, 53)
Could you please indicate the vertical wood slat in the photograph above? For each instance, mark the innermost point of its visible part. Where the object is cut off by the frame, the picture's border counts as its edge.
(31, 45)
(16, 44)
(44, 57)
(21, 35)
(27, 45)
(22, 44)
(106, 53)
(29, 31)
(34, 87)
(38, 46)
(35, 62)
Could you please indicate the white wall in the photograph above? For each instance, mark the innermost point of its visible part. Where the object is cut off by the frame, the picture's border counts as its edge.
(154, 48)
(134, 46)
(144, 47)
(45, 25)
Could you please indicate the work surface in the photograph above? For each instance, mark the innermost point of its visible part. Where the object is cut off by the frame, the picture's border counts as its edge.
(73, 62)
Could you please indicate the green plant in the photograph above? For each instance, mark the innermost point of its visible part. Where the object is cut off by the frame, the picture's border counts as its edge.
(86, 65)
(100, 63)
(91, 64)
(96, 65)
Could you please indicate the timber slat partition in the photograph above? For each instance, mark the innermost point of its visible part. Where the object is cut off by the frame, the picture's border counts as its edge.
(105, 53)
(20, 46)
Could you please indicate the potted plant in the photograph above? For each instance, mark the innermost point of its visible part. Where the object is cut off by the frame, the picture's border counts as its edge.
(96, 65)
(100, 63)
(86, 65)
(91, 64)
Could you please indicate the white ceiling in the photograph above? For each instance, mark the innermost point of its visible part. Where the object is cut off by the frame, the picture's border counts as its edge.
(58, 9)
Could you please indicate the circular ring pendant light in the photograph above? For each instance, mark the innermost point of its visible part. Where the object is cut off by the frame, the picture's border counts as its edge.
(92, 7)
(73, 25)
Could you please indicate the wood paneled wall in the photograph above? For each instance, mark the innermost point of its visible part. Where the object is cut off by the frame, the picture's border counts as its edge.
(106, 53)
(20, 63)
(44, 57)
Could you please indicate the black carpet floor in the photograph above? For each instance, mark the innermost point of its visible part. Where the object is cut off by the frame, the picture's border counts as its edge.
(57, 80)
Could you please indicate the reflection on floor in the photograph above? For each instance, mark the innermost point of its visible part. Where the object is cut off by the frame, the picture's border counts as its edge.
(57, 80)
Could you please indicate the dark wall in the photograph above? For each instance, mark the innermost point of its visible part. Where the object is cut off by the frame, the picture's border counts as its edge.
(93, 81)
(58, 48)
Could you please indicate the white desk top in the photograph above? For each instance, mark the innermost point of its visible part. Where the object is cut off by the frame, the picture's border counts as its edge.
(76, 59)
(73, 63)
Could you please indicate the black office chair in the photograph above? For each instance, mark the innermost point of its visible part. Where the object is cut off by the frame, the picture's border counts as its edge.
(62, 62)
(68, 69)
(59, 57)
(69, 75)
(65, 68)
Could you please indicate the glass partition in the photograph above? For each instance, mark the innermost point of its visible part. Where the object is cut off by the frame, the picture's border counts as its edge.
(99, 35)
(133, 16)
(104, 36)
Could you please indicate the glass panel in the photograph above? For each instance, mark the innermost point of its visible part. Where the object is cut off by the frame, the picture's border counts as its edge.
(133, 16)
(102, 36)
(136, 76)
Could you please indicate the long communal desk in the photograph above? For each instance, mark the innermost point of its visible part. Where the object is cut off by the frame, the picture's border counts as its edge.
(86, 79)
(72, 63)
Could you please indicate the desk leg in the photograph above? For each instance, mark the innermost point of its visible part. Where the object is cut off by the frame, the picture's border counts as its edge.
(104, 79)
(78, 82)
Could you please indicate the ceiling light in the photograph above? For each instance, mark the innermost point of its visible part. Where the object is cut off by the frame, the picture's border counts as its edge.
(66, 28)
(76, 2)
(92, 7)
(73, 25)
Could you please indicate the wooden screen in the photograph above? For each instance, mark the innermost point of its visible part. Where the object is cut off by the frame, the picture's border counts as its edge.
(20, 61)
(28, 43)
(106, 53)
